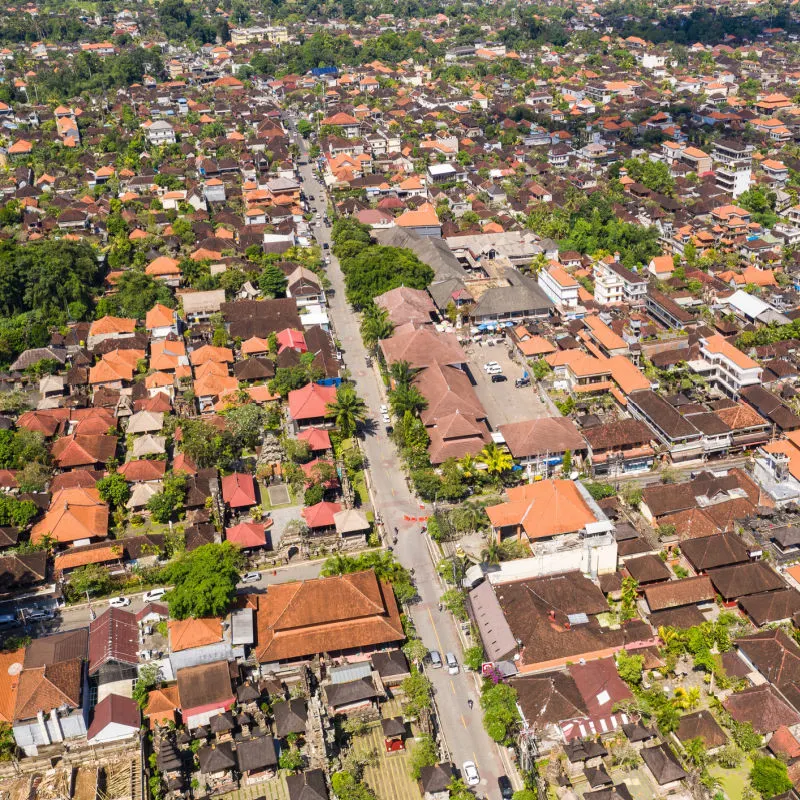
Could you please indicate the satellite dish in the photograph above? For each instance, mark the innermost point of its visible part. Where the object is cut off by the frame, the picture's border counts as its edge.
(15, 668)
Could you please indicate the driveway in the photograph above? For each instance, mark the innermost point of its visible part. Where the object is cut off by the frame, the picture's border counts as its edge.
(502, 401)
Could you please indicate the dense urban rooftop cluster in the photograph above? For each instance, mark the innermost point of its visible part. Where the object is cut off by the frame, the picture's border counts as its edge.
(333, 337)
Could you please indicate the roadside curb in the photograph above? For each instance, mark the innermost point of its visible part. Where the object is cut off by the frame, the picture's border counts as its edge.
(132, 595)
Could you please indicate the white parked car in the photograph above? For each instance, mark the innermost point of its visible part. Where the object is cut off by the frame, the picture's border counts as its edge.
(490, 365)
(470, 773)
(251, 577)
(154, 594)
(119, 602)
(494, 370)
(452, 663)
(384, 409)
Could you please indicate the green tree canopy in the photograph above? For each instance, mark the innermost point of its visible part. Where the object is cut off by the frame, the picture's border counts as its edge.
(769, 776)
(273, 281)
(246, 424)
(424, 754)
(49, 276)
(164, 505)
(136, 294)
(500, 715)
(385, 566)
(371, 270)
(19, 513)
(114, 490)
(206, 445)
(20, 447)
(204, 581)
(654, 175)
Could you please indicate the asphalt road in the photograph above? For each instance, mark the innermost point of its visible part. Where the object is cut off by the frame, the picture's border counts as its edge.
(463, 731)
(79, 616)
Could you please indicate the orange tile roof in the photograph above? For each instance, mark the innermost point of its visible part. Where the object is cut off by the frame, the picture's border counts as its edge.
(118, 365)
(343, 612)
(109, 325)
(73, 514)
(210, 353)
(10, 668)
(604, 335)
(163, 265)
(561, 276)
(188, 633)
(48, 687)
(535, 346)
(424, 216)
(162, 704)
(215, 385)
(81, 556)
(627, 375)
(718, 345)
(543, 509)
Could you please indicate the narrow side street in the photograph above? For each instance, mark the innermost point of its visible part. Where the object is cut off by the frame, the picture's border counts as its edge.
(463, 729)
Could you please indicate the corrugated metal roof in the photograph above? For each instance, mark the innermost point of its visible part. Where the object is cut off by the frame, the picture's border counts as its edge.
(242, 631)
(351, 672)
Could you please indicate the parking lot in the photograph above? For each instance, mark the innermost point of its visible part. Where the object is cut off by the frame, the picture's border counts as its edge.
(503, 402)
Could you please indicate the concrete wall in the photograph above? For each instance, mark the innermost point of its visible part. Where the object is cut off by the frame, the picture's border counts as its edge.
(590, 560)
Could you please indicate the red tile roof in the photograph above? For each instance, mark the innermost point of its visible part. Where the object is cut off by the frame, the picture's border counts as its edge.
(317, 438)
(82, 450)
(114, 709)
(311, 402)
(239, 490)
(113, 636)
(321, 514)
(247, 534)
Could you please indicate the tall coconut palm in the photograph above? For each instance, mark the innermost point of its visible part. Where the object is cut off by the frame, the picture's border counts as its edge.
(375, 325)
(668, 718)
(407, 398)
(401, 373)
(348, 409)
(496, 459)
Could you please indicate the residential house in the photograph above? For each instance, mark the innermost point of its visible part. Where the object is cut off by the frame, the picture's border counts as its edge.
(52, 703)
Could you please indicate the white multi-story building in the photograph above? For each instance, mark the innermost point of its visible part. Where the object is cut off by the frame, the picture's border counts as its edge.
(614, 284)
(733, 166)
(559, 286)
(725, 366)
(161, 132)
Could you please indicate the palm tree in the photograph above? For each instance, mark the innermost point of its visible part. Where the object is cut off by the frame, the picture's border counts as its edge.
(539, 263)
(496, 459)
(375, 325)
(468, 465)
(407, 398)
(401, 373)
(668, 718)
(348, 409)
(337, 565)
(468, 517)
(493, 552)
(696, 752)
